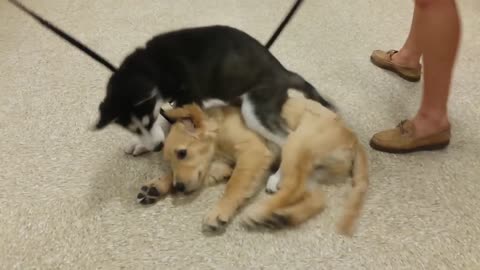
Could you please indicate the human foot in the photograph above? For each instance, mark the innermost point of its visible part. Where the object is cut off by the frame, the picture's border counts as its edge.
(406, 138)
(429, 125)
(384, 59)
(405, 58)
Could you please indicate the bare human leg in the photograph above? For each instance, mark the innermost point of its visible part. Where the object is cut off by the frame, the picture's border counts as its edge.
(410, 53)
(437, 31)
(439, 38)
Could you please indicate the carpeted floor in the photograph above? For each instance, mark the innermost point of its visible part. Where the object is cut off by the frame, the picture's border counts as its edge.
(67, 195)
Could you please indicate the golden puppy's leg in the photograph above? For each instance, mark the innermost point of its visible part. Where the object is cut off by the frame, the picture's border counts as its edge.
(311, 204)
(355, 202)
(299, 155)
(293, 190)
(295, 168)
(152, 191)
(247, 177)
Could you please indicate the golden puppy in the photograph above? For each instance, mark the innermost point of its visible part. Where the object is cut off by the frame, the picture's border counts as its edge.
(319, 142)
(202, 147)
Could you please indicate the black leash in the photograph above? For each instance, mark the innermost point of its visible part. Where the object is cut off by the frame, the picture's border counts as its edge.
(283, 23)
(65, 36)
(107, 64)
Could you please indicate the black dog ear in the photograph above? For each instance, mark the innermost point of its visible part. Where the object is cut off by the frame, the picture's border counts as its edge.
(107, 115)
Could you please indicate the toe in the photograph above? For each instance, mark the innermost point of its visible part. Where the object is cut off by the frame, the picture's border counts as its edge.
(148, 195)
(143, 199)
(269, 191)
(280, 220)
(140, 197)
(221, 222)
(153, 191)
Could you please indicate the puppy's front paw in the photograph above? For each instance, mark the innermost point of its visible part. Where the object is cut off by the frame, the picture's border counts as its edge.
(148, 194)
(215, 222)
(136, 149)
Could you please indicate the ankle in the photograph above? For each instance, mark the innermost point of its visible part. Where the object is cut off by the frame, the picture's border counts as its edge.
(408, 58)
(430, 123)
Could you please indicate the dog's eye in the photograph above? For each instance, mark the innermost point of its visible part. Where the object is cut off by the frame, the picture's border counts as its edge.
(181, 153)
(138, 131)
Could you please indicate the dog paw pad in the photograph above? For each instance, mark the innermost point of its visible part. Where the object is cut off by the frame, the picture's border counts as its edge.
(279, 221)
(153, 192)
(148, 195)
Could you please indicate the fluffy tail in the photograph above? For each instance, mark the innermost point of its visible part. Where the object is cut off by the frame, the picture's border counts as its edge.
(299, 83)
(355, 202)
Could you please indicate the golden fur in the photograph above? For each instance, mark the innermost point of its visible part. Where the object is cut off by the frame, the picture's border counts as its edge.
(319, 141)
(217, 139)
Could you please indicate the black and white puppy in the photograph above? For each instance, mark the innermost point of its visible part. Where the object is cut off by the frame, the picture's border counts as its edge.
(194, 65)
(197, 65)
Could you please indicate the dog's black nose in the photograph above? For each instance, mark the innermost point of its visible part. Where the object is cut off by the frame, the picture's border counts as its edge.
(179, 187)
(158, 148)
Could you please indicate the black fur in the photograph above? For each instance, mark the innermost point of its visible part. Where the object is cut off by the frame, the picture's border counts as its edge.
(192, 65)
(195, 64)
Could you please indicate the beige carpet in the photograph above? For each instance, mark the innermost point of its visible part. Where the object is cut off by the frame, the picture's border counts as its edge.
(67, 195)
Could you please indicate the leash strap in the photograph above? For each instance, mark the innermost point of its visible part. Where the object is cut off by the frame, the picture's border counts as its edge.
(65, 36)
(283, 24)
(107, 64)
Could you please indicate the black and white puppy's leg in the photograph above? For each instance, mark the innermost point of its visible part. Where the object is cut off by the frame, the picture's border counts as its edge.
(136, 148)
(149, 139)
(151, 130)
(151, 136)
(213, 102)
(263, 115)
(273, 182)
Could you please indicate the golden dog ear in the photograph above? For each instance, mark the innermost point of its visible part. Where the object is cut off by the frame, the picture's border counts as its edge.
(176, 114)
(191, 115)
(196, 115)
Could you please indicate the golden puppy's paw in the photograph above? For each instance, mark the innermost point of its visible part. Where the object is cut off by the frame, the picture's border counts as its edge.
(215, 221)
(345, 227)
(149, 194)
(258, 219)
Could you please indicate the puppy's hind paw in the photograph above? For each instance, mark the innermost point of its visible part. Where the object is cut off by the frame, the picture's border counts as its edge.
(277, 221)
(270, 190)
(274, 221)
(273, 183)
(148, 195)
(272, 187)
(252, 219)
